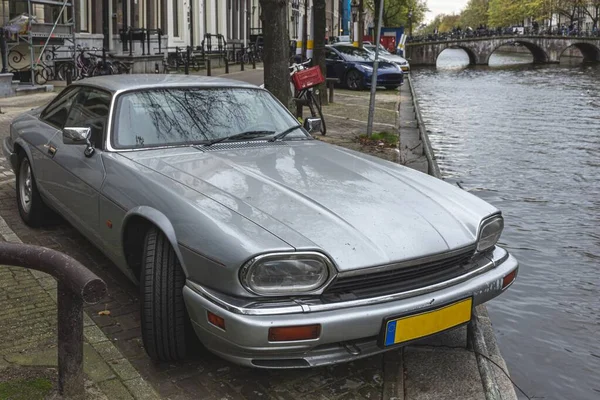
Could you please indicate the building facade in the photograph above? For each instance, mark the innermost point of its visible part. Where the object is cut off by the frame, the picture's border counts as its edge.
(104, 23)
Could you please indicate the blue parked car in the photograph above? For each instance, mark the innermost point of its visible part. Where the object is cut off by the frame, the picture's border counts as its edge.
(353, 66)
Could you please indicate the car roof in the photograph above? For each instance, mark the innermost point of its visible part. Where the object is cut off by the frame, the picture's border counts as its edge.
(115, 83)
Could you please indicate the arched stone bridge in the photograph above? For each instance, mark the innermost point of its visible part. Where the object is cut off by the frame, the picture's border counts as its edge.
(545, 49)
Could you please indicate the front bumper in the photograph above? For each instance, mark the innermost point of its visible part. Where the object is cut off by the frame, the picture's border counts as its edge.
(393, 79)
(349, 330)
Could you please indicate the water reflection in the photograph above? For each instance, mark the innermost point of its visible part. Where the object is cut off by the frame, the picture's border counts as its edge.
(527, 139)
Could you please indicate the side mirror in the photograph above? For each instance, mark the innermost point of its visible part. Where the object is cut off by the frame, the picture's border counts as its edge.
(76, 135)
(79, 136)
(312, 124)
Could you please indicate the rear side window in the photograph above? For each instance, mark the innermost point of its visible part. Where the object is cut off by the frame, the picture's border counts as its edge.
(57, 112)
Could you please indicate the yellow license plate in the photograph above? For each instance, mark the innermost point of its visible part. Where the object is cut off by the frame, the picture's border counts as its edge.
(405, 329)
(405, 69)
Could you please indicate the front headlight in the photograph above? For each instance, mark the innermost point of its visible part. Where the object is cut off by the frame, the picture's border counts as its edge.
(283, 274)
(489, 232)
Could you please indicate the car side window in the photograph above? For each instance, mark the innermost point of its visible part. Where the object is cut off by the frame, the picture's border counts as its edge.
(90, 109)
(57, 112)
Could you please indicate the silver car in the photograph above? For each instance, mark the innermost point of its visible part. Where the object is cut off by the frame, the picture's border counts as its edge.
(280, 251)
(387, 56)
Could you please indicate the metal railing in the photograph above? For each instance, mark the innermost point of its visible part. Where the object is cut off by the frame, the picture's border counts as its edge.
(76, 285)
(494, 33)
(142, 35)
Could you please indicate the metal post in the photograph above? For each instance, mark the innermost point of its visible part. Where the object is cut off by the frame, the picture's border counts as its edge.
(305, 30)
(374, 77)
(104, 65)
(242, 59)
(70, 343)
(3, 51)
(69, 76)
(130, 42)
(148, 40)
(226, 64)
(208, 71)
(187, 60)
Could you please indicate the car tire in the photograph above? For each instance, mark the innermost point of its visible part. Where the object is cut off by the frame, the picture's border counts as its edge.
(354, 80)
(166, 327)
(31, 206)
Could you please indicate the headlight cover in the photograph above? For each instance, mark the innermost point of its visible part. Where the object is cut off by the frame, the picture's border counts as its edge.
(489, 232)
(282, 274)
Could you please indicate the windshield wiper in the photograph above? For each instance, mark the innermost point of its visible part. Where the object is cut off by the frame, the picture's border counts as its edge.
(284, 133)
(240, 136)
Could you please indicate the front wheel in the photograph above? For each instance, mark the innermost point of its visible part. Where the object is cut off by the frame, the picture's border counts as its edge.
(166, 328)
(354, 80)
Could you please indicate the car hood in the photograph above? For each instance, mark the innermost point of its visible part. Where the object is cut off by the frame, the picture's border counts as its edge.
(359, 210)
(382, 65)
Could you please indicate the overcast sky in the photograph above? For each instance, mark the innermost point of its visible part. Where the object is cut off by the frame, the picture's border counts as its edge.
(444, 6)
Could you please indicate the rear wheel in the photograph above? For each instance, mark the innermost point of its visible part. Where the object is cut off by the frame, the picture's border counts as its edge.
(354, 80)
(166, 328)
(32, 209)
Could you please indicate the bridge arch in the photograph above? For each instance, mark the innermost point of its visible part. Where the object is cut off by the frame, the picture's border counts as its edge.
(472, 55)
(590, 52)
(540, 56)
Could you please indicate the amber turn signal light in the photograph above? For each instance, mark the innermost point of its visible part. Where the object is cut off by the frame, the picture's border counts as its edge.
(216, 320)
(291, 333)
(508, 279)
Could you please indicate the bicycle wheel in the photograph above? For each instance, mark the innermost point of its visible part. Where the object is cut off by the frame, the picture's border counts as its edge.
(41, 76)
(314, 104)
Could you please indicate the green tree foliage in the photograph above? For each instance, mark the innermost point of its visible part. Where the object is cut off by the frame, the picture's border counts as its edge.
(395, 12)
(442, 23)
(511, 12)
(475, 13)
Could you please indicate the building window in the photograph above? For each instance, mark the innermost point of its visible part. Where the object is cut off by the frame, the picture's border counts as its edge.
(85, 16)
(176, 18)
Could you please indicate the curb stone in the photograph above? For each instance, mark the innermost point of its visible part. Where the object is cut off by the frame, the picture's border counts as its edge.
(126, 379)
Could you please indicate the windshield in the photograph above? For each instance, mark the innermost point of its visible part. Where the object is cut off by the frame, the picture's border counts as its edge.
(185, 116)
(351, 53)
(371, 48)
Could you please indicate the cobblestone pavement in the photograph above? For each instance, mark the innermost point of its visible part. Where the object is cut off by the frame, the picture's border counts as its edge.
(204, 376)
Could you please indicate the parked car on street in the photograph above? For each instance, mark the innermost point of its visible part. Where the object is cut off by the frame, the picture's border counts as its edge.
(280, 251)
(387, 56)
(353, 66)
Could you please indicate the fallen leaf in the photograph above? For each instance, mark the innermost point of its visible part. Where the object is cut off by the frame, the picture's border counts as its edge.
(105, 312)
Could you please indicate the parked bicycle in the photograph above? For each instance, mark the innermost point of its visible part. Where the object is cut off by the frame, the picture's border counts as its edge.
(304, 80)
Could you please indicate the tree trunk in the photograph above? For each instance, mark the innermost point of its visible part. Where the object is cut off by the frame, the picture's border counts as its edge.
(319, 21)
(276, 50)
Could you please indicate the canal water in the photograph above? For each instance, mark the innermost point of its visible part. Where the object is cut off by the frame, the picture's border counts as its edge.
(527, 139)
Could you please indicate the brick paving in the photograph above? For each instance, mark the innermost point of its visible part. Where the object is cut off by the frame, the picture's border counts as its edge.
(204, 376)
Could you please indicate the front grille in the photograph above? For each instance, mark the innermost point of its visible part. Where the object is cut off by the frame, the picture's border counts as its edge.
(401, 278)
